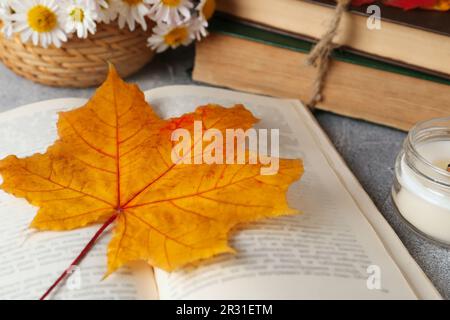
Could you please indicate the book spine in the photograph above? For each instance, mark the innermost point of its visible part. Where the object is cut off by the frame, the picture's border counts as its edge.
(352, 90)
(227, 25)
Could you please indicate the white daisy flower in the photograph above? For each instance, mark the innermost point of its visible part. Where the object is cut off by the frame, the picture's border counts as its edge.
(5, 4)
(132, 11)
(205, 10)
(198, 27)
(39, 20)
(171, 11)
(165, 36)
(101, 3)
(6, 18)
(106, 11)
(80, 18)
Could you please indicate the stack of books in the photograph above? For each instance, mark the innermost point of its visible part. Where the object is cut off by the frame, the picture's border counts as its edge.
(396, 75)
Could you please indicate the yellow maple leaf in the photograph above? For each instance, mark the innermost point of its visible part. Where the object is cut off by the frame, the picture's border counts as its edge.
(112, 164)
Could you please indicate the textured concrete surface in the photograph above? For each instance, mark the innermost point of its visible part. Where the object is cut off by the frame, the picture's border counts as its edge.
(368, 149)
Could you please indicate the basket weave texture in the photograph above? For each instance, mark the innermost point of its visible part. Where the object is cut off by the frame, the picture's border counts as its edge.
(79, 63)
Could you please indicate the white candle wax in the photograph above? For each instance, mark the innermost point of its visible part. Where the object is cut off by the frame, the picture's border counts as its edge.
(419, 203)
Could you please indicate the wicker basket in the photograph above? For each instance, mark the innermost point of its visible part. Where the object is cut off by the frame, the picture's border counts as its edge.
(79, 62)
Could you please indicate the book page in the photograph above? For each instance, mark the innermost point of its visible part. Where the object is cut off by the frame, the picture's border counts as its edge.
(330, 251)
(31, 261)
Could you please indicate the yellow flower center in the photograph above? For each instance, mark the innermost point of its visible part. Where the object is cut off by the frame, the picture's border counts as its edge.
(209, 8)
(132, 2)
(77, 14)
(41, 19)
(171, 3)
(176, 36)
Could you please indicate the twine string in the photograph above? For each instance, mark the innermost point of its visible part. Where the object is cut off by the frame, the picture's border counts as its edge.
(319, 56)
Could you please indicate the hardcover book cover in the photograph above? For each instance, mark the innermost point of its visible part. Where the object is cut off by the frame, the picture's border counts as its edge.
(428, 20)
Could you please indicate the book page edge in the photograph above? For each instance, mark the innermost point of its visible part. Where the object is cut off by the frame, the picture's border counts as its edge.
(390, 240)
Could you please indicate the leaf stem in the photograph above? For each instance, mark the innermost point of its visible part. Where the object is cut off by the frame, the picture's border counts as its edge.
(81, 256)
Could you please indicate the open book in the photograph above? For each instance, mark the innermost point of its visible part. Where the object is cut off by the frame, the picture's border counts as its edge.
(340, 247)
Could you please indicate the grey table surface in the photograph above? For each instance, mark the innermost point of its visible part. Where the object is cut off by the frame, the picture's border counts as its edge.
(369, 150)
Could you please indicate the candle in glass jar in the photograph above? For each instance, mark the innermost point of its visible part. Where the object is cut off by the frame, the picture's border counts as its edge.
(421, 192)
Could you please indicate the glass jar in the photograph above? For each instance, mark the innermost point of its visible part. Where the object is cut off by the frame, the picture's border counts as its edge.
(421, 190)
